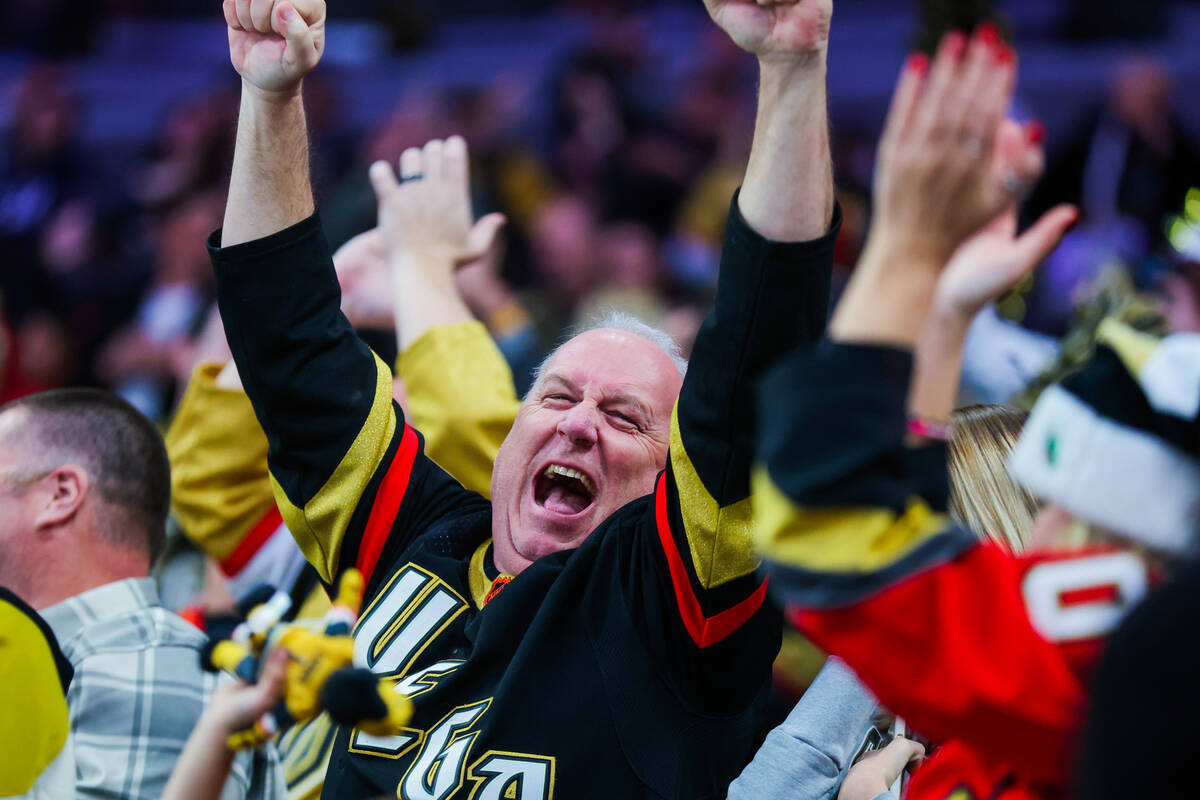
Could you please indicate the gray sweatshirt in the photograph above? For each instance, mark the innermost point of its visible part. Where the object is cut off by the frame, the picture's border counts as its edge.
(806, 757)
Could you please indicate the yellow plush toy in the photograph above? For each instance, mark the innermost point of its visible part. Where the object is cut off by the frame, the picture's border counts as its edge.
(320, 672)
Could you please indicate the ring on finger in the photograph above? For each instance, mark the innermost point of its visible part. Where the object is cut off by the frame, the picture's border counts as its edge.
(1012, 182)
(416, 176)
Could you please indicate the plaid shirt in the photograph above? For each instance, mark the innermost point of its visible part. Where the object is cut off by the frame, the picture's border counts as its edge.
(137, 693)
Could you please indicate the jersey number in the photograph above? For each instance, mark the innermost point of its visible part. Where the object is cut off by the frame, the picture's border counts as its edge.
(1083, 598)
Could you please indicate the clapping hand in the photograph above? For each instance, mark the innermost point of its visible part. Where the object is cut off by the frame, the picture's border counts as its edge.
(949, 163)
(993, 261)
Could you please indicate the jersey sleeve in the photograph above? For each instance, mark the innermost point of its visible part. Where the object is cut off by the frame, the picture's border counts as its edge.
(860, 549)
(461, 397)
(771, 298)
(349, 475)
(220, 486)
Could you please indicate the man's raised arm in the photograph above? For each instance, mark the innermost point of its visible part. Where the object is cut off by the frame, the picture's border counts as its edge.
(787, 195)
(772, 297)
(349, 476)
(273, 44)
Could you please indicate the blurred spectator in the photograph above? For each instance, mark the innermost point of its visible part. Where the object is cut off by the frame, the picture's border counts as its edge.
(192, 153)
(562, 238)
(1132, 159)
(1088, 20)
(144, 359)
(51, 27)
(629, 274)
(92, 285)
(40, 167)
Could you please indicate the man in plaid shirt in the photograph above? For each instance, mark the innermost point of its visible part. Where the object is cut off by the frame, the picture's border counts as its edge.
(84, 492)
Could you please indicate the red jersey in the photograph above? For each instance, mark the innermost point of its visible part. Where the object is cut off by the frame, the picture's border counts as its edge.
(988, 653)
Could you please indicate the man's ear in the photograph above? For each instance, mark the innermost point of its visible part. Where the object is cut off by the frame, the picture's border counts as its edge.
(66, 489)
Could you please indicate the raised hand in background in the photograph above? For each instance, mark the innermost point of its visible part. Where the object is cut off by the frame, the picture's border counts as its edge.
(981, 271)
(948, 165)
(428, 231)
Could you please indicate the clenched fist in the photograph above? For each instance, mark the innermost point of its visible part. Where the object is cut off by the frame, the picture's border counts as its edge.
(273, 44)
(775, 30)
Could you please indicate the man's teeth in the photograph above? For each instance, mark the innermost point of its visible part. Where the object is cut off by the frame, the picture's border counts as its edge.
(567, 472)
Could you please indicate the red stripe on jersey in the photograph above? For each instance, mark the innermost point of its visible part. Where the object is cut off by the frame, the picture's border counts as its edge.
(705, 631)
(1108, 595)
(249, 546)
(387, 504)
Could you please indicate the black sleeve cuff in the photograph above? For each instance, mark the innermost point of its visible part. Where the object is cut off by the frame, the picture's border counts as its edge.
(747, 236)
(261, 252)
(832, 424)
(795, 274)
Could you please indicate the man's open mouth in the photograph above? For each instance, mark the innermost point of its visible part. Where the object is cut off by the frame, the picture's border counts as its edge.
(563, 490)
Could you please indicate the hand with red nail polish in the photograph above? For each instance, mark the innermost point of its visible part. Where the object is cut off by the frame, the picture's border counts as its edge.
(989, 34)
(955, 44)
(1036, 132)
(949, 163)
(918, 64)
(941, 176)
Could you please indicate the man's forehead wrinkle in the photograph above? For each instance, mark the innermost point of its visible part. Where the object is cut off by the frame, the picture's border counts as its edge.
(560, 378)
(622, 392)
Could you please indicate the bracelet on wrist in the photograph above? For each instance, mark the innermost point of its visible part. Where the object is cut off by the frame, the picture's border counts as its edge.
(936, 430)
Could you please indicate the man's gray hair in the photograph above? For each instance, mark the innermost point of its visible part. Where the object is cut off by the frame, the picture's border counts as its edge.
(613, 319)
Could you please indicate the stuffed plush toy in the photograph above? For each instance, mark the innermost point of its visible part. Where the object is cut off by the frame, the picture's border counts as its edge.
(320, 676)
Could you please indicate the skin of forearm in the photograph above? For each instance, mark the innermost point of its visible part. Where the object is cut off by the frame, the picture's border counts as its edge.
(204, 765)
(889, 297)
(938, 369)
(270, 187)
(425, 298)
(788, 194)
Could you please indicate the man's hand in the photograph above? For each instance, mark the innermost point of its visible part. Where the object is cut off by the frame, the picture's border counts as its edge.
(878, 770)
(993, 261)
(775, 30)
(273, 44)
(239, 705)
(425, 217)
(787, 194)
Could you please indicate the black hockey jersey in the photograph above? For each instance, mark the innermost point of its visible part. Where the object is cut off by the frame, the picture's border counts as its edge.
(633, 666)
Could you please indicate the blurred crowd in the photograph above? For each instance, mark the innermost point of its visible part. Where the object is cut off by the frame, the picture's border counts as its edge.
(613, 198)
(938, 406)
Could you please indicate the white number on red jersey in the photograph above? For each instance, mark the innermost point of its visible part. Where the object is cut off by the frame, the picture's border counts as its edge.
(1083, 598)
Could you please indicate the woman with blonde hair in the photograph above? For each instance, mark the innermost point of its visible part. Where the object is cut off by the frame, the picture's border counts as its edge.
(982, 495)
